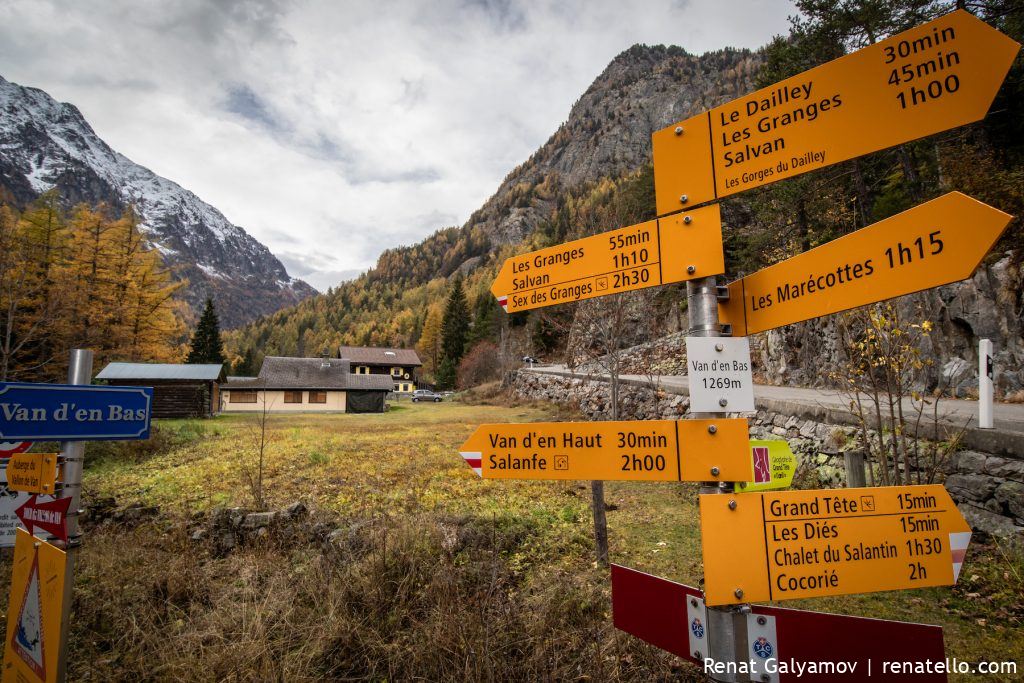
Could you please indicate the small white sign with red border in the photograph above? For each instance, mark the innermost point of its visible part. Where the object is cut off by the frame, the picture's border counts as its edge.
(9, 448)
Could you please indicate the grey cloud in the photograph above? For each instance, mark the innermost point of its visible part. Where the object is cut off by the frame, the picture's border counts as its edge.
(243, 101)
(503, 15)
(413, 92)
(316, 270)
(255, 21)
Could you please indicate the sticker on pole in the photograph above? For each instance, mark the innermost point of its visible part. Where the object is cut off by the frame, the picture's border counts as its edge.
(32, 472)
(34, 611)
(720, 375)
(10, 502)
(774, 465)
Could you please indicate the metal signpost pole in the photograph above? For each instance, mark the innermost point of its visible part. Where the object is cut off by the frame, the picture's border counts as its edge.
(73, 452)
(726, 626)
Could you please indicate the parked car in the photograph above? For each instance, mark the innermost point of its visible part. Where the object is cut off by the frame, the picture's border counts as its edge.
(426, 395)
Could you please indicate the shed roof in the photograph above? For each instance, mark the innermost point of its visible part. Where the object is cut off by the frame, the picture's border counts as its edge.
(209, 372)
(369, 355)
(309, 373)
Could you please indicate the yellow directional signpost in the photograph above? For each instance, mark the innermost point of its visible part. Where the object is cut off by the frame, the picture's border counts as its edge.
(934, 77)
(774, 466)
(658, 252)
(32, 472)
(647, 450)
(936, 243)
(767, 544)
(33, 644)
(801, 544)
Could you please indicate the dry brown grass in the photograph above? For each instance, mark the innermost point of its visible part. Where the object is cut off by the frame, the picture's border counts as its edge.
(429, 597)
(436, 575)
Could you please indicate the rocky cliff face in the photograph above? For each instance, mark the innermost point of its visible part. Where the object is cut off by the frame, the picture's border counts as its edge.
(989, 305)
(46, 144)
(608, 132)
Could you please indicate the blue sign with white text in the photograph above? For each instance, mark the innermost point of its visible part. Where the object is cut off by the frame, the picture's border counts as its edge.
(72, 412)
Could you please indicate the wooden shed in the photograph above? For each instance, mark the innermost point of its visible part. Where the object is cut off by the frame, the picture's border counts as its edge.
(179, 390)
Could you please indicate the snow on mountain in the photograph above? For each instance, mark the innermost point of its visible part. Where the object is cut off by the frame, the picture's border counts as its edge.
(46, 144)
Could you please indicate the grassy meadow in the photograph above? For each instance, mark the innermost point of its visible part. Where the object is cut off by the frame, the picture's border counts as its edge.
(435, 574)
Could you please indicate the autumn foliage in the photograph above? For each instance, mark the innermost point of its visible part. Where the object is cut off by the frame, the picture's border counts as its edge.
(84, 280)
(482, 364)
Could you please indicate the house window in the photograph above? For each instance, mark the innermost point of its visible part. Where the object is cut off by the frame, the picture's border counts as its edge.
(396, 372)
(293, 397)
(362, 370)
(318, 397)
(237, 396)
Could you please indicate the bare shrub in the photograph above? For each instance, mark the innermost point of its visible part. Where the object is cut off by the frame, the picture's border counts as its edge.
(480, 365)
(900, 428)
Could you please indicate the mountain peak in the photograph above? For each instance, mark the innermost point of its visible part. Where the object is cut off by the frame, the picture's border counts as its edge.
(46, 144)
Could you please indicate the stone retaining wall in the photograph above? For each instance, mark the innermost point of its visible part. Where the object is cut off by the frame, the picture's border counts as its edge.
(988, 489)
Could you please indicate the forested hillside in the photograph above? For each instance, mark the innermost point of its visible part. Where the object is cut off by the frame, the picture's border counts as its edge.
(594, 174)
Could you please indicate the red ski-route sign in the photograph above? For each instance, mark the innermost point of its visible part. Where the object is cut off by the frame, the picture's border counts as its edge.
(50, 516)
(784, 645)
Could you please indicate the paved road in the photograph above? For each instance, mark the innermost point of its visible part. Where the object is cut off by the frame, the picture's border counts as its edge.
(1006, 416)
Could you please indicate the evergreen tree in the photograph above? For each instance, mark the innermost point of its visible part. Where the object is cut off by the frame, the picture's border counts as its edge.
(206, 346)
(246, 365)
(454, 332)
(446, 374)
(487, 318)
(455, 328)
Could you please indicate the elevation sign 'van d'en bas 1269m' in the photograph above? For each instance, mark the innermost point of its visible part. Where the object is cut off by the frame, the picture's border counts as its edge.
(673, 249)
(934, 77)
(934, 244)
(635, 450)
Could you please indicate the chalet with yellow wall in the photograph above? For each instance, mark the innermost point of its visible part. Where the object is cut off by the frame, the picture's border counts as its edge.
(401, 365)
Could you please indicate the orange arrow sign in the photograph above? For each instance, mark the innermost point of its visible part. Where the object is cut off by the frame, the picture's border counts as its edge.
(940, 75)
(673, 249)
(802, 544)
(939, 242)
(645, 450)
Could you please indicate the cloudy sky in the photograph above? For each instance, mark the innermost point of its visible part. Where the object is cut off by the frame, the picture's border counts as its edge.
(334, 129)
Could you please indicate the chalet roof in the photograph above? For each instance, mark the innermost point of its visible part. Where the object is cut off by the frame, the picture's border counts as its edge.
(208, 372)
(310, 373)
(370, 382)
(368, 355)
